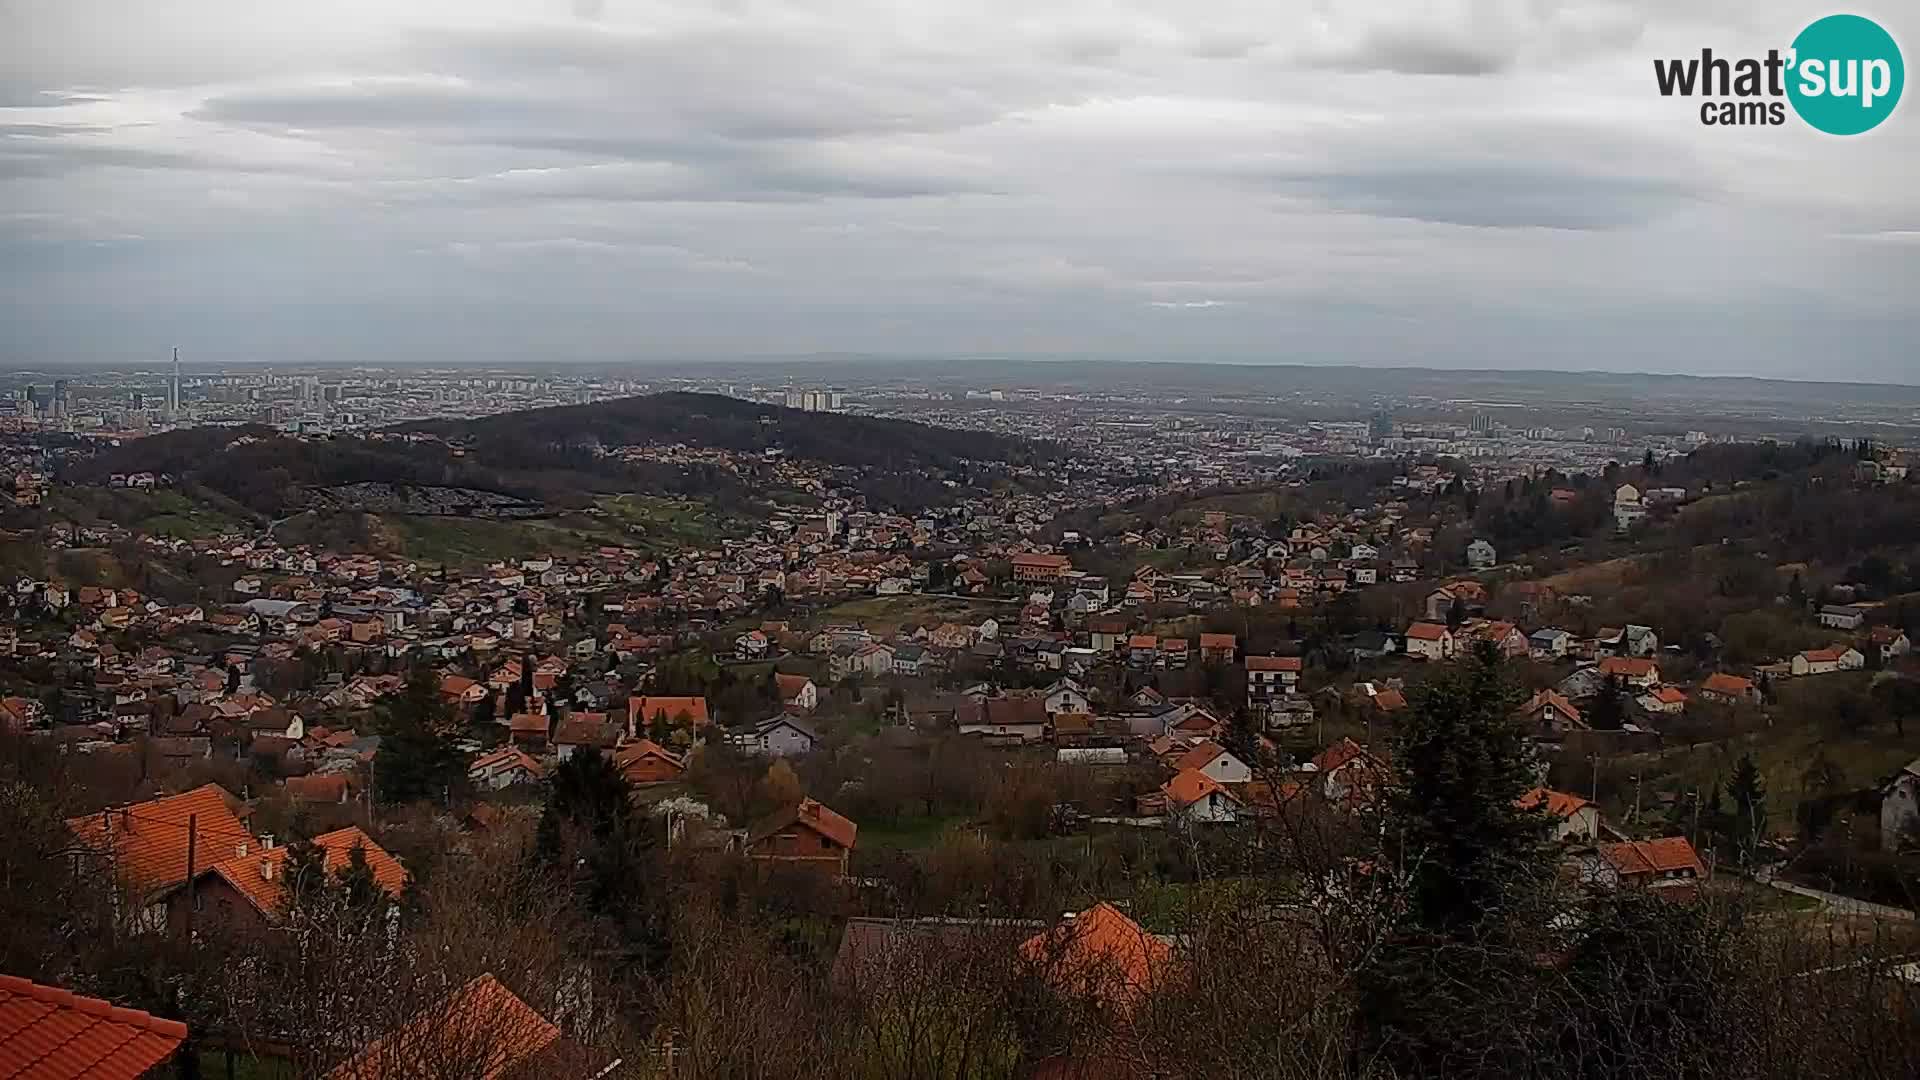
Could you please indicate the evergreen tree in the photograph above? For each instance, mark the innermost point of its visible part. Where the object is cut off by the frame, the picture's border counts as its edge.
(1465, 761)
(608, 851)
(414, 761)
(1748, 794)
(1609, 711)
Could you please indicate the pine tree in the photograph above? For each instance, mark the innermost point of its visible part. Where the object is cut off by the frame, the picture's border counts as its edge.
(1465, 762)
(414, 762)
(1609, 712)
(1748, 794)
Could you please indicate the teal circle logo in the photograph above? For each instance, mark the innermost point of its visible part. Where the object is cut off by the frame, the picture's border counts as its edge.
(1846, 74)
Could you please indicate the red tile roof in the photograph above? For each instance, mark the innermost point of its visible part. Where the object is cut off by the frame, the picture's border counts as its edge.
(261, 876)
(1189, 786)
(1101, 951)
(812, 815)
(642, 710)
(483, 1031)
(148, 841)
(1558, 803)
(1426, 631)
(1200, 756)
(51, 1034)
(1273, 663)
(1341, 754)
(1631, 667)
(1635, 858)
(1727, 685)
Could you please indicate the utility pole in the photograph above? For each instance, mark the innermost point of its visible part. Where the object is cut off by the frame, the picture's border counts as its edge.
(1694, 839)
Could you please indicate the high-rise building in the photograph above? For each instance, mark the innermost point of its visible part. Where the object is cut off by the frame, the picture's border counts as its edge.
(173, 387)
(62, 405)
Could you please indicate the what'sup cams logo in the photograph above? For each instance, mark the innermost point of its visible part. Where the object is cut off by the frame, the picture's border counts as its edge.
(1843, 75)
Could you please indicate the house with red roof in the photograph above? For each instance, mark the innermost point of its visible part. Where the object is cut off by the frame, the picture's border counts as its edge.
(1269, 677)
(1729, 689)
(1667, 862)
(678, 712)
(1193, 796)
(145, 845)
(804, 834)
(1574, 818)
(482, 1030)
(1101, 954)
(1636, 671)
(1216, 761)
(647, 762)
(797, 692)
(1827, 661)
(1430, 641)
(1348, 772)
(248, 890)
(505, 767)
(47, 1033)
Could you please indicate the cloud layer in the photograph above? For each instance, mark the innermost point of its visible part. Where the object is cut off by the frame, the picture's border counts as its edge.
(1483, 183)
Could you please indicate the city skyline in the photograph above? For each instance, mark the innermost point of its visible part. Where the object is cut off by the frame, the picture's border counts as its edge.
(1474, 186)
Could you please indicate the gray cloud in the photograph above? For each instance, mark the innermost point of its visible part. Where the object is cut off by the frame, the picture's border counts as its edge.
(582, 179)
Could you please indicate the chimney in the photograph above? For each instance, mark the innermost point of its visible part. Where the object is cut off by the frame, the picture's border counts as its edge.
(266, 869)
(266, 841)
(240, 850)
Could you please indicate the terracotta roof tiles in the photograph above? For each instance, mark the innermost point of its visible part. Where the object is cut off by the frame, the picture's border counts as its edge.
(47, 1033)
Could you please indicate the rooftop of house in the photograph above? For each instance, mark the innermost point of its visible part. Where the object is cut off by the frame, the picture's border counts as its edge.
(47, 1033)
(148, 841)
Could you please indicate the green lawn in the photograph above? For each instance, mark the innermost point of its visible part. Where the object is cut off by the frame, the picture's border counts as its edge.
(907, 833)
(661, 521)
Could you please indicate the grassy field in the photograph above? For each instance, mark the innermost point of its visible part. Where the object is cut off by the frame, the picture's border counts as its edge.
(883, 613)
(157, 513)
(668, 522)
(907, 833)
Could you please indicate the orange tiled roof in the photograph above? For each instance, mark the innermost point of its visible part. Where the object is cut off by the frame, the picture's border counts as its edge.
(1199, 756)
(1426, 631)
(51, 1034)
(1632, 667)
(148, 840)
(814, 816)
(1273, 663)
(1668, 853)
(1558, 803)
(1217, 641)
(1339, 755)
(642, 710)
(1189, 786)
(483, 1031)
(1732, 685)
(261, 876)
(1103, 951)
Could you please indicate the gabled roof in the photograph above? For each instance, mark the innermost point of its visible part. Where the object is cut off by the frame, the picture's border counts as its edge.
(506, 756)
(1341, 754)
(1200, 756)
(1558, 803)
(1632, 667)
(1665, 855)
(261, 876)
(811, 815)
(642, 710)
(47, 1033)
(148, 840)
(1273, 663)
(790, 686)
(1552, 699)
(482, 1030)
(1190, 785)
(1426, 631)
(1731, 685)
(1103, 951)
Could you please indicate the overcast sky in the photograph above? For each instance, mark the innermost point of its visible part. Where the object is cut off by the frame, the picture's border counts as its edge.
(1448, 184)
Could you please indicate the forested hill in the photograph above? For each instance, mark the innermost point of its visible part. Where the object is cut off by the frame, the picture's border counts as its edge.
(719, 422)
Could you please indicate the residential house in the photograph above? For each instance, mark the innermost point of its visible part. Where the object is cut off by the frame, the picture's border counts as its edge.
(1889, 641)
(1637, 672)
(480, 1030)
(805, 834)
(1193, 796)
(647, 762)
(1900, 807)
(1106, 634)
(145, 844)
(247, 890)
(587, 729)
(1550, 713)
(1574, 818)
(529, 729)
(1828, 660)
(677, 712)
(1271, 676)
(1065, 695)
(778, 736)
(1102, 955)
(1143, 650)
(1628, 507)
(1016, 718)
(797, 692)
(1667, 862)
(1668, 700)
(1430, 641)
(1843, 616)
(1216, 762)
(909, 660)
(1218, 648)
(1549, 644)
(1349, 773)
(1729, 689)
(1030, 568)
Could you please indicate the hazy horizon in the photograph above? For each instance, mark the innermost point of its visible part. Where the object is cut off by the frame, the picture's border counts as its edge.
(1467, 186)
